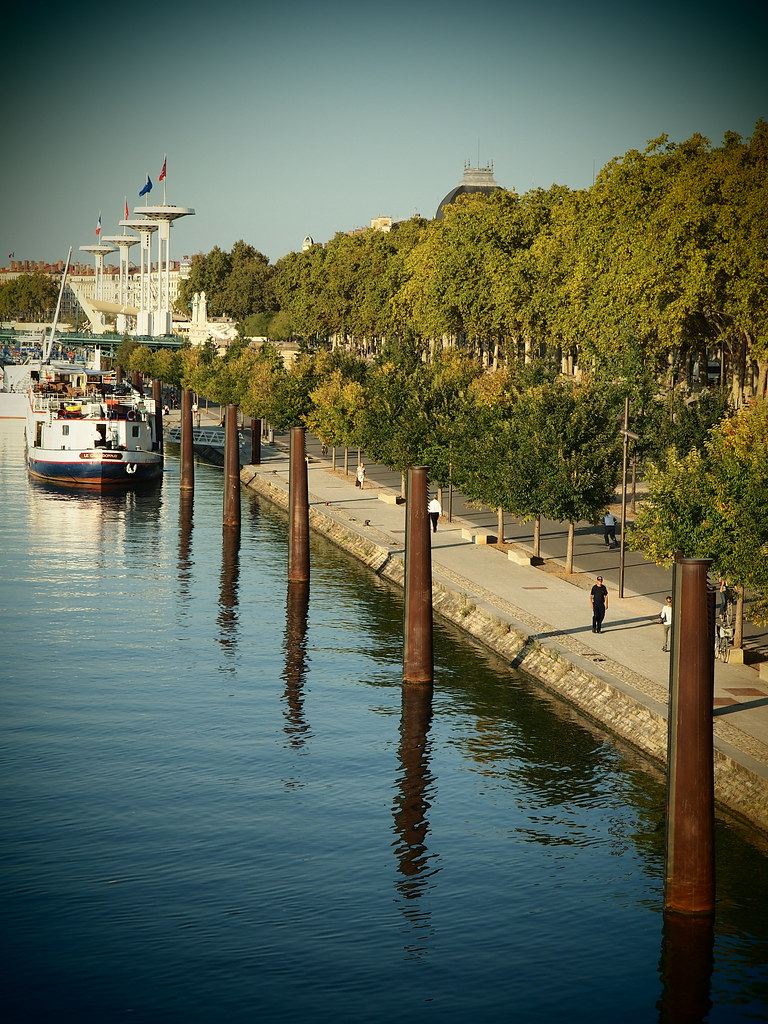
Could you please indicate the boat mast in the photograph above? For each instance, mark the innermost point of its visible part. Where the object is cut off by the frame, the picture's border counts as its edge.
(49, 346)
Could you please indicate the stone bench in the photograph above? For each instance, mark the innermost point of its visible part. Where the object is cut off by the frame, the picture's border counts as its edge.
(519, 557)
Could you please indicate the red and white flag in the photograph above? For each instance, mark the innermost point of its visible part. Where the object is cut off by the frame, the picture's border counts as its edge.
(161, 175)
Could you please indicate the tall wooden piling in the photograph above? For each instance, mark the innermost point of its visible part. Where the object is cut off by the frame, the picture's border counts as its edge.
(231, 468)
(255, 442)
(157, 395)
(418, 659)
(690, 847)
(187, 474)
(298, 501)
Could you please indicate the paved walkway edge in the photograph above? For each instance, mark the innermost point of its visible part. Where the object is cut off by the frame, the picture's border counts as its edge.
(628, 705)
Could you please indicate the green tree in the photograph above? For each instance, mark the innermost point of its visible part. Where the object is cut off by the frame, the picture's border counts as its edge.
(124, 352)
(567, 441)
(337, 403)
(30, 297)
(711, 504)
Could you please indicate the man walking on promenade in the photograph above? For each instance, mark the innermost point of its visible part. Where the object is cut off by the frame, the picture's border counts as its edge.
(435, 509)
(609, 530)
(598, 597)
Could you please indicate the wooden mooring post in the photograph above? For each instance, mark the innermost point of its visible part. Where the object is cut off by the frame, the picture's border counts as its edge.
(298, 501)
(231, 468)
(187, 473)
(689, 883)
(418, 660)
(157, 395)
(255, 442)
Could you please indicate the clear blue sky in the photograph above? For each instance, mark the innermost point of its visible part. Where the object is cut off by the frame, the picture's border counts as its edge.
(312, 118)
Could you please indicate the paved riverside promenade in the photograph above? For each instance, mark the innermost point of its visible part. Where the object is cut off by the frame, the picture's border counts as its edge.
(619, 677)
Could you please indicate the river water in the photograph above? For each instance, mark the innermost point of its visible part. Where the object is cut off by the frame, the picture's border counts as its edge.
(219, 803)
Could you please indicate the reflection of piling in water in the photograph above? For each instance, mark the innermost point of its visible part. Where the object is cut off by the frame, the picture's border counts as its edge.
(186, 504)
(187, 455)
(687, 959)
(231, 468)
(417, 620)
(298, 500)
(255, 442)
(414, 788)
(157, 395)
(297, 609)
(229, 582)
(118, 375)
(690, 841)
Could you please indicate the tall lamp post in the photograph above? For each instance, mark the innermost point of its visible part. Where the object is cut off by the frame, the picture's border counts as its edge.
(627, 434)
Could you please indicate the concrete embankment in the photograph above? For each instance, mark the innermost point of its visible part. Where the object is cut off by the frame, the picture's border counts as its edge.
(628, 703)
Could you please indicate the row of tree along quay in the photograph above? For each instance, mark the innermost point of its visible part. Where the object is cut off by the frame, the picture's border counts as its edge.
(499, 345)
(663, 258)
(524, 439)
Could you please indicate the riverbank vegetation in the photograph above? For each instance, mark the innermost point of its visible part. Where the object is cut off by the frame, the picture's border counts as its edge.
(499, 344)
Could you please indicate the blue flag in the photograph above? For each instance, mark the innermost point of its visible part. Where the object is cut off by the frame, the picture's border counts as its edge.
(147, 187)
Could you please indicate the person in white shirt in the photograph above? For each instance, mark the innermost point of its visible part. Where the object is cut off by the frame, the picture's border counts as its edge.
(609, 529)
(435, 510)
(665, 618)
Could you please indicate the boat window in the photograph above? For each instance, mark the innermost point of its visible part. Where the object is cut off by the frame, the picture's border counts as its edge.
(134, 431)
(65, 429)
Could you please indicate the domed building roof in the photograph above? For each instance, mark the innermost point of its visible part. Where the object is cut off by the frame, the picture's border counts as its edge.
(476, 179)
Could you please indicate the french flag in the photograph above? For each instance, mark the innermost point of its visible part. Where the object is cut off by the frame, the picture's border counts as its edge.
(127, 214)
(98, 224)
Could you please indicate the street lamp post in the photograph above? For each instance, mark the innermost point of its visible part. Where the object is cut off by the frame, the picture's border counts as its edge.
(627, 434)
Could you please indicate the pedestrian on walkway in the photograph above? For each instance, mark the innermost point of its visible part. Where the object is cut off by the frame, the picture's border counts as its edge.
(665, 618)
(609, 530)
(360, 482)
(598, 597)
(435, 510)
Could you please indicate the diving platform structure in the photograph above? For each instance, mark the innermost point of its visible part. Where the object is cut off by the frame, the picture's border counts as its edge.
(140, 304)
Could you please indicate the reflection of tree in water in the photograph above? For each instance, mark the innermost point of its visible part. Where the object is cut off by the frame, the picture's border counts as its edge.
(230, 575)
(564, 765)
(415, 792)
(687, 958)
(297, 608)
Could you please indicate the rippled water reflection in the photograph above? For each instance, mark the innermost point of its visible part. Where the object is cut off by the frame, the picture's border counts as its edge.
(220, 803)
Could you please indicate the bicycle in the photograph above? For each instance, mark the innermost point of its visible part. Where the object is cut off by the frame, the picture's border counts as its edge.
(723, 642)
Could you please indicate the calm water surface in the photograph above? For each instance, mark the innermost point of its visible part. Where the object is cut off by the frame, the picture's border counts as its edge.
(219, 804)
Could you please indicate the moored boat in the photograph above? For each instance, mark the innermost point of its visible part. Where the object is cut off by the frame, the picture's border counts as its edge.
(84, 431)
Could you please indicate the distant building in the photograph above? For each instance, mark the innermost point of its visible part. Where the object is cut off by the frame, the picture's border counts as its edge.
(476, 179)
